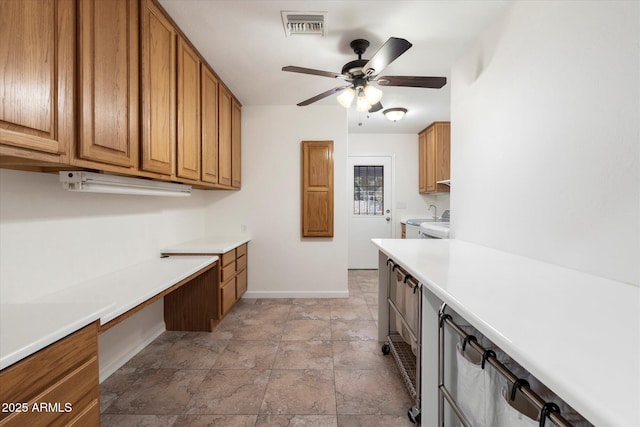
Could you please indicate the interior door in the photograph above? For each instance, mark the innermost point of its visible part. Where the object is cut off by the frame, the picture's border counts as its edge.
(370, 208)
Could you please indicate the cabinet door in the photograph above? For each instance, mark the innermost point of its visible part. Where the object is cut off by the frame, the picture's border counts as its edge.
(209, 126)
(158, 77)
(434, 151)
(430, 164)
(227, 296)
(422, 162)
(188, 112)
(224, 141)
(317, 188)
(443, 155)
(108, 67)
(241, 284)
(37, 58)
(236, 141)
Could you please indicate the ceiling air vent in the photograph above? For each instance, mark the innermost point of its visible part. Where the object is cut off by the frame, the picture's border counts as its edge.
(304, 23)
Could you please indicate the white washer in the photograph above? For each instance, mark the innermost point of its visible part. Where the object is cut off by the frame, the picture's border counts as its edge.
(438, 230)
(412, 227)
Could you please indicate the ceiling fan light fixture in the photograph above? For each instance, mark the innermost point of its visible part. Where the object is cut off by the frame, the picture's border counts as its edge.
(361, 74)
(346, 97)
(362, 104)
(394, 114)
(373, 94)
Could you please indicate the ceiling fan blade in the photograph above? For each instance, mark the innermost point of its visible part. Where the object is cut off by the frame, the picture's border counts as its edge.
(390, 50)
(376, 107)
(322, 95)
(412, 81)
(311, 71)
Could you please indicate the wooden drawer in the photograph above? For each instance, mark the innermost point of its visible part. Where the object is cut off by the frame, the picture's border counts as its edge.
(62, 401)
(228, 295)
(241, 284)
(89, 417)
(228, 272)
(29, 378)
(241, 250)
(241, 263)
(228, 258)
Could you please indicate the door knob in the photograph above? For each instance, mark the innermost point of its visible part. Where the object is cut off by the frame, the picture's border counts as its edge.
(388, 218)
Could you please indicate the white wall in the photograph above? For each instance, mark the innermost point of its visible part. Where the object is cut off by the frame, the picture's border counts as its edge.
(51, 239)
(407, 200)
(281, 263)
(545, 136)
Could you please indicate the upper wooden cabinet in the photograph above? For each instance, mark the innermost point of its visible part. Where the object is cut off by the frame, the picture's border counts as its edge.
(209, 114)
(236, 138)
(108, 74)
(317, 188)
(224, 134)
(434, 153)
(112, 85)
(188, 112)
(229, 142)
(37, 57)
(158, 77)
(422, 150)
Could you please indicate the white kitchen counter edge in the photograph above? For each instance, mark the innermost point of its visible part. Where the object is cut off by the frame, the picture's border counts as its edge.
(606, 349)
(208, 245)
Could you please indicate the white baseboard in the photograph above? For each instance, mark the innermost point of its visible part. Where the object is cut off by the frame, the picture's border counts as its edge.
(298, 294)
(115, 364)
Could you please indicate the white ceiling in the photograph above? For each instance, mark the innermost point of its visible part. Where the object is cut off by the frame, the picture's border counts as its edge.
(245, 43)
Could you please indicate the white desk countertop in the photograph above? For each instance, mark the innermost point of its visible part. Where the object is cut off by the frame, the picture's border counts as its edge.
(208, 245)
(577, 333)
(28, 327)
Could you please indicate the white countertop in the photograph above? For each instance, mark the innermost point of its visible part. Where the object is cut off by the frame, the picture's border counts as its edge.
(28, 327)
(214, 245)
(579, 334)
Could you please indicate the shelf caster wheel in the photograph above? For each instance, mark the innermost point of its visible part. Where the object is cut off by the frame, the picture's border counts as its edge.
(414, 415)
(386, 349)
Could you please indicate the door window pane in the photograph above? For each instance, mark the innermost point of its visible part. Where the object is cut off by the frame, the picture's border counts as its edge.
(368, 194)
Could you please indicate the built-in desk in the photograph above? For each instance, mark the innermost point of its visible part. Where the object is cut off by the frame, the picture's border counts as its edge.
(232, 267)
(49, 346)
(28, 327)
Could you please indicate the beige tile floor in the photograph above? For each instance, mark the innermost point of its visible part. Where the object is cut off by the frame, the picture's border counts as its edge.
(295, 362)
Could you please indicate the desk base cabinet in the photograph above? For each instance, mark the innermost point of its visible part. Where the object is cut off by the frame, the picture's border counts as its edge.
(202, 303)
(58, 385)
(233, 278)
(193, 306)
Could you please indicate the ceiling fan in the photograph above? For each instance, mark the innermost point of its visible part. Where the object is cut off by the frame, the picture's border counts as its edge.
(360, 73)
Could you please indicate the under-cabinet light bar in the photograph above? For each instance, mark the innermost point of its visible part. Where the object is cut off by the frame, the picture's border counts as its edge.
(90, 182)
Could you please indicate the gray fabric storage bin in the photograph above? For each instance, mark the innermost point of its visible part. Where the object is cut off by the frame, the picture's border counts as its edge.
(474, 388)
(517, 413)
